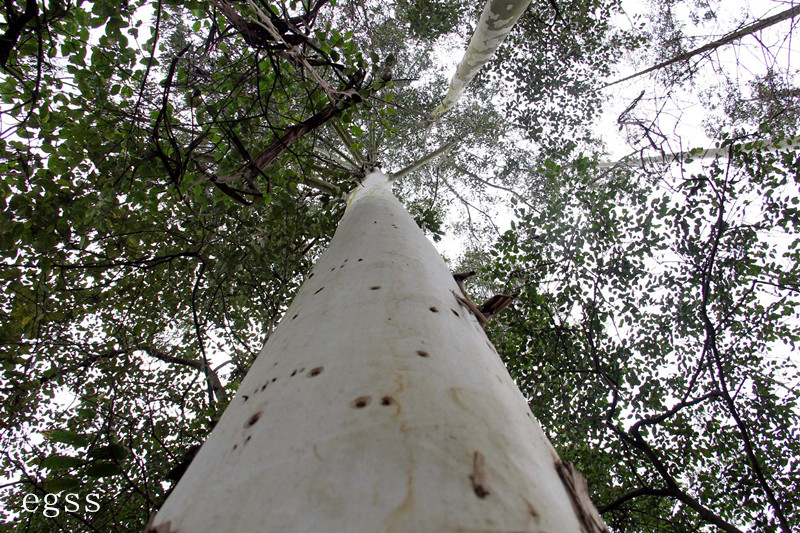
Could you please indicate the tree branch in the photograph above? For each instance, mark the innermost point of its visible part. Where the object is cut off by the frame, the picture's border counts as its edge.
(645, 491)
(727, 39)
(651, 420)
(16, 23)
(293, 133)
(213, 379)
(424, 160)
(637, 441)
(711, 341)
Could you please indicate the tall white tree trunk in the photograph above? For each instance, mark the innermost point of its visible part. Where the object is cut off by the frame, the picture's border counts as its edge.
(497, 20)
(378, 404)
(636, 159)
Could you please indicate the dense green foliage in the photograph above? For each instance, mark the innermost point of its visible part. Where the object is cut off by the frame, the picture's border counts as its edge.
(169, 171)
(655, 332)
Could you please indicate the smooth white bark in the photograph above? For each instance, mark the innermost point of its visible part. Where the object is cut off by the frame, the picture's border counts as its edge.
(443, 150)
(378, 404)
(496, 21)
(637, 160)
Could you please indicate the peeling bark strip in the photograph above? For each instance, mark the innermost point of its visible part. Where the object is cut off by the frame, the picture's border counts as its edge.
(495, 304)
(498, 17)
(581, 502)
(472, 308)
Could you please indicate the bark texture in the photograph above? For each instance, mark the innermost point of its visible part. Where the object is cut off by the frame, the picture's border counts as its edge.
(378, 404)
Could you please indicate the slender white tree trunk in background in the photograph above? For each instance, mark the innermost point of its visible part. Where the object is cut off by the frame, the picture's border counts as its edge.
(496, 21)
(637, 160)
(378, 404)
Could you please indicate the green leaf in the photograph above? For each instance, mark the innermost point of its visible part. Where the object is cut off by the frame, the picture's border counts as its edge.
(103, 469)
(61, 484)
(62, 462)
(112, 451)
(67, 437)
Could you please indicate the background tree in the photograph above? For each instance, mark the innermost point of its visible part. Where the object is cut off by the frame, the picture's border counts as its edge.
(656, 306)
(657, 324)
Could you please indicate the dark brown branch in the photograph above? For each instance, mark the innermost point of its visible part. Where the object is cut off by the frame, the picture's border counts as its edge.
(297, 131)
(660, 418)
(711, 342)
(213, 379)
(636, 440)
(85, 364)
(258, 163)
(199, 334)
(16, 23)
(143, 264)
(645, 491)
(176, 170)
(156, 34)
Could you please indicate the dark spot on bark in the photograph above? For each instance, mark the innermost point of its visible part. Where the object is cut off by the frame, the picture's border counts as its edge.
(247, 439)
(235, 446)
(253, 419)
(294, 372)
(311, 275)
(315, 371)
(245, 397)
(433, 309)
(478, 476)
(423, 353)
(387, 400)
(334, 268)
(295, 316)
(455, 312)
(264, 386)
(319, 290)
(375, 287)
(360, 403)
(532, 510)
(274, 380)
(360, 259)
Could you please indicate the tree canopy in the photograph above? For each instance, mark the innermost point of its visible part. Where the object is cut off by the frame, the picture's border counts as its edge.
(169, 172)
